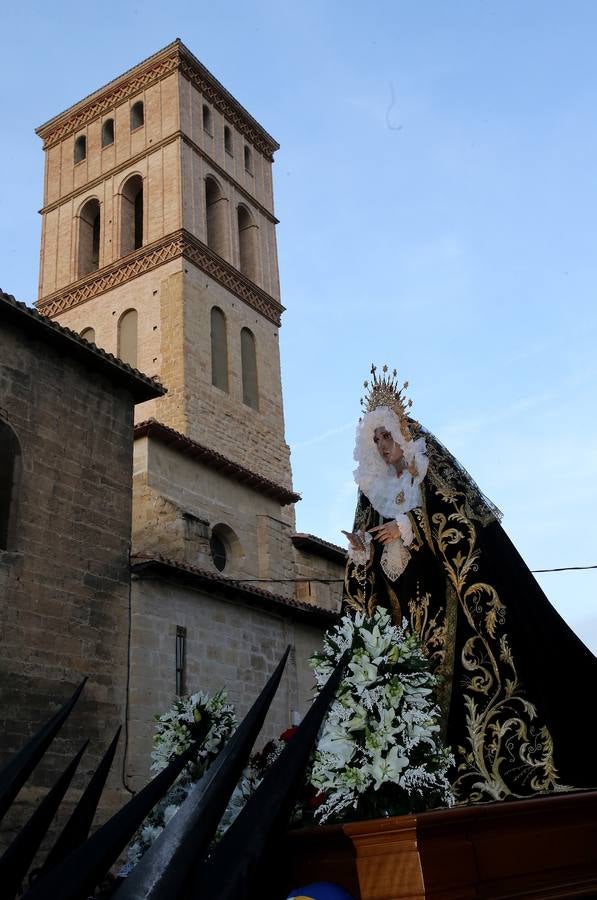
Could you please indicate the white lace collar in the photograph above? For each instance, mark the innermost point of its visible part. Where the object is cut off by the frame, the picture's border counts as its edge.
(390, 495)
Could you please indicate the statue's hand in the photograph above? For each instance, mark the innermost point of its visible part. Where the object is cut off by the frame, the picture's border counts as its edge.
(355, 540)
(387, 533)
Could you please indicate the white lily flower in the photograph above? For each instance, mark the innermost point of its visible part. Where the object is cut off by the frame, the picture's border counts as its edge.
(387, 768)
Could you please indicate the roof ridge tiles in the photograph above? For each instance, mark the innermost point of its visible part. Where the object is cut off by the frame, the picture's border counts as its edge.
(183, 443)
(19, 311)
(141, 562)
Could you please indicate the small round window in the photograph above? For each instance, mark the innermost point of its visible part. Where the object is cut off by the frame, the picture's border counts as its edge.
(219, 553)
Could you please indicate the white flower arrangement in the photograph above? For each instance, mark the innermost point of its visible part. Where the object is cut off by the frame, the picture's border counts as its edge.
(379, 751)
(175, 730)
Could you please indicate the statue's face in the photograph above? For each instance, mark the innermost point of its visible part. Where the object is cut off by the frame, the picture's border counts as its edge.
(388, 449)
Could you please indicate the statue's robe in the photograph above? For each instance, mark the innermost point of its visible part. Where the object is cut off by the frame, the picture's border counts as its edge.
(517, 687)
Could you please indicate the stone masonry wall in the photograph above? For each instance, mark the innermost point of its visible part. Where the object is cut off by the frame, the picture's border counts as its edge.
(64, 585)
(174, 306)
(228, 645)
(316, 567)
(177, 503)
(252, 437)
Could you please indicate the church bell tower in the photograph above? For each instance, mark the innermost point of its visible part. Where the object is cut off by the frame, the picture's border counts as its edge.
(159, 245)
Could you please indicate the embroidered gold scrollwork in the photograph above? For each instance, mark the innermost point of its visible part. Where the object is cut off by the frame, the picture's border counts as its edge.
(506, 752)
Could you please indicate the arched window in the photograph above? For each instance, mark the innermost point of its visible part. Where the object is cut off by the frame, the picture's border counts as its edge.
(206, 118)
(89, 238)
(10, 468)
(226, 549)
(215, 213)
(89, 335)
(219, 349)
(131, 215)
(247, 242)
(108, 133)
(248, 358)
(227, 140)
(137, 115)
(248, 160)
(80, 148)
(127, 337)
(219, 552)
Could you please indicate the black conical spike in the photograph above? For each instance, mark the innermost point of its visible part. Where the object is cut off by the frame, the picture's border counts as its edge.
(78, 826)
(19, 856)
(164, 869)
(76, 876)
(231, 872)
(16, 772)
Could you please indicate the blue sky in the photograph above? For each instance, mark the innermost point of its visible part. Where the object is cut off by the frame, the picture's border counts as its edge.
(437, 191)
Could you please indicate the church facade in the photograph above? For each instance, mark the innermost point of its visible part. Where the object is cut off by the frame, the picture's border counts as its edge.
(159, 246)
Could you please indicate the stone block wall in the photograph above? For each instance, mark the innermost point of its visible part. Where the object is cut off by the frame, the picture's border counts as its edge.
(178, 501)
(309, 566)
(64, 583)
(174, 306)
(252, 437)
(228, 644)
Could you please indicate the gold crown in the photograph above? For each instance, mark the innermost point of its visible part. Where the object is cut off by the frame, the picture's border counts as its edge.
(383, 390)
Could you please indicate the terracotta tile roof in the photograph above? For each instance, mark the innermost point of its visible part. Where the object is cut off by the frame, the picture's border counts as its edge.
(156, 565)
(309, 543)
(141, 386)
(170, 437)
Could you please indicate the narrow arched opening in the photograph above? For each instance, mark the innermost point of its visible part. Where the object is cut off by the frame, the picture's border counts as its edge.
(215, 215)
(227, 140)
(80, 151)
(219, 349)
(108, 133)
(248, 356)
(127, 337)
(137, 115)
(89, 238)
(131, 215)
(247, 242)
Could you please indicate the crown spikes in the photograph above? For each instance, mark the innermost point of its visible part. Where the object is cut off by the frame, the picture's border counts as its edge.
(384, 391)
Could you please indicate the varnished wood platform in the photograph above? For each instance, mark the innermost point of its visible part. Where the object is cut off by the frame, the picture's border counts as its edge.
(538, 849)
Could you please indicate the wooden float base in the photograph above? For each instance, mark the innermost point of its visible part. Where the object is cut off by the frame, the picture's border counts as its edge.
(538, 849)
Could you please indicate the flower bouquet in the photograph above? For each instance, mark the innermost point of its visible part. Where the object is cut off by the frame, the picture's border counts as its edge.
(379, 752)
(175, 730)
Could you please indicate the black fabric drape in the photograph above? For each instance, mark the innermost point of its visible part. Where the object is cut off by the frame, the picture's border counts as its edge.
(516, 684)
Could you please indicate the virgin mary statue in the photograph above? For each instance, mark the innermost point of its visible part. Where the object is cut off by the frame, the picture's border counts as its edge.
(517, 687)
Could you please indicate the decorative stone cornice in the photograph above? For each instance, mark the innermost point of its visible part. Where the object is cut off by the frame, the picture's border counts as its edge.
(174, 57)
(178, 244)
(198, 75)
(115, 92)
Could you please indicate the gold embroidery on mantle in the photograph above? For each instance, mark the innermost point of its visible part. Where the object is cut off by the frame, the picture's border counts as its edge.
(507, 752)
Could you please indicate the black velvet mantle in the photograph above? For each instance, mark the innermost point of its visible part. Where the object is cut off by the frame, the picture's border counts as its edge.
(517, 686)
